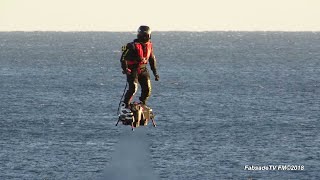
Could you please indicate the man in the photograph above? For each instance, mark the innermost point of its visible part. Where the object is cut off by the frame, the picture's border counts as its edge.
(134, 59)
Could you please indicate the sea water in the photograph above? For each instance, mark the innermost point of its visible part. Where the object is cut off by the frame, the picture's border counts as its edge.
(229, 105)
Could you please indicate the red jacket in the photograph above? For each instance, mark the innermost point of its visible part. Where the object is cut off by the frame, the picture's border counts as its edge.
(136, 55)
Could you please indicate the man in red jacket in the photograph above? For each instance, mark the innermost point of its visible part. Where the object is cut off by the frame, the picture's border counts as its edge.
(134, 59)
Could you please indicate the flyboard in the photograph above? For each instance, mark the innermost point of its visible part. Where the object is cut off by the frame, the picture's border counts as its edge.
(136, 115)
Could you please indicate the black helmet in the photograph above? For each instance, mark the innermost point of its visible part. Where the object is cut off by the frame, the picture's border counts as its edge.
(144, 33)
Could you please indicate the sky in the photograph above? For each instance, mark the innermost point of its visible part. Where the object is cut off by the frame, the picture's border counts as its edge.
(160, 15)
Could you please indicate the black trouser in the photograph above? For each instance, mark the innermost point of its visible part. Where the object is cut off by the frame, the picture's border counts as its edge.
(143, 77)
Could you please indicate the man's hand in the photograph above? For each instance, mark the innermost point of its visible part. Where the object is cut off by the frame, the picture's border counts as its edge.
(156, 77)
(127, 71)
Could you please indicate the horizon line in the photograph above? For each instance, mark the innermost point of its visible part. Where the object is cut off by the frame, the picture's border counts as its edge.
(119, 31)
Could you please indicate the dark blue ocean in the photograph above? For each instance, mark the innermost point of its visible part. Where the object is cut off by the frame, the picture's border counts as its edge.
(229, 105)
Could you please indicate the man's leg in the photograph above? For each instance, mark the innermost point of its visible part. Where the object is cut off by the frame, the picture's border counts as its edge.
(144, 80)
(133, 86)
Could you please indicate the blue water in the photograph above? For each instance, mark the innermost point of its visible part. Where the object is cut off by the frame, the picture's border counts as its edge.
(225, 100)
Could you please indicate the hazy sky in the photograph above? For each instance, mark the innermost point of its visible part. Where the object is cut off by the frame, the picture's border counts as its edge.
(127, 15)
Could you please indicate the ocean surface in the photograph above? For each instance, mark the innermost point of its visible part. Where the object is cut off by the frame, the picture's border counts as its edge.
(229, 105)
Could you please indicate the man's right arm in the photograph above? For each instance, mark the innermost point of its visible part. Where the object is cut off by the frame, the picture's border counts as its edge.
(124, 65)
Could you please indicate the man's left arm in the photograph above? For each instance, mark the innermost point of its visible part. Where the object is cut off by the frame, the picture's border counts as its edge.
(153, 66)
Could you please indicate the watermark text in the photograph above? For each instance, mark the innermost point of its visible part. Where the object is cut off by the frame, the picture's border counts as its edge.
(274, 167)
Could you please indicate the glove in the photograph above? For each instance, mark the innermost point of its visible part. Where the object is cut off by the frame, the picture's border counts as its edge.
(156, 77)
(127, 71)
